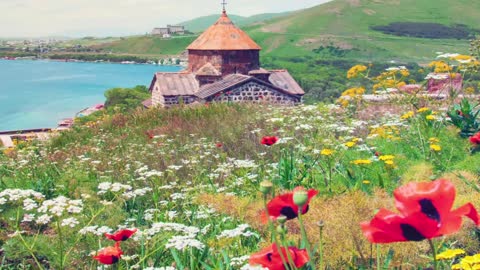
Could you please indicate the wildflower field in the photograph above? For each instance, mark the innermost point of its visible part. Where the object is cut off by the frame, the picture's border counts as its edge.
(230, 186)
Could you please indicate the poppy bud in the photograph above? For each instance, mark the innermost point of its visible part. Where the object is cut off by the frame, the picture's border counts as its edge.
(321, 224)
(282, 219)
(266, 187)
(300, 196)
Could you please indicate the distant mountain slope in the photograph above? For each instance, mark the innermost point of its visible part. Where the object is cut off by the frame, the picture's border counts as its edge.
(342, 28)
(346, 24)
(200, 24)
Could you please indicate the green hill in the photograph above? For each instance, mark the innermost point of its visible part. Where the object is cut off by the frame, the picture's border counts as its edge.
(200, 24)
(345, 29)
(347, 25)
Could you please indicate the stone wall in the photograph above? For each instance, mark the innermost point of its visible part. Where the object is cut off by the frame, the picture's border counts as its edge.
(157, 97)
(227, 62)
(175, 100)
(256, 93)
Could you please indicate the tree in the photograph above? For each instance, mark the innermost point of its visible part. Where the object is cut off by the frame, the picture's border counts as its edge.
(126, 98)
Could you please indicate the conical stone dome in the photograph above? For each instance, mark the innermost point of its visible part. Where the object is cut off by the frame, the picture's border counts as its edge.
(224, 35)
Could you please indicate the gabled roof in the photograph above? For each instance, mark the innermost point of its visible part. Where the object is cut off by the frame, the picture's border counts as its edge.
(232, 80)
(224, 35)
(259, 71)
(208, 70)
(175, 83)
(282, 79)
(216, 87)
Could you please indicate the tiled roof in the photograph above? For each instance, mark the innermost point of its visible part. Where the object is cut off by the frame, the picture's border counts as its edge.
(175, 83)
(282, 79)
(259, 71)
(185, 83)
(216, 87)
(224, 35)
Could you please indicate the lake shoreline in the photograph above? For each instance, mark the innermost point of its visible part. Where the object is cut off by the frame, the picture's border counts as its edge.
(40, 93)
(84, 61)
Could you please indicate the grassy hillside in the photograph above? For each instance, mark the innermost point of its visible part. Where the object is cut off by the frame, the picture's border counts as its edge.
(202, 23)
(341, 28)
(346, 24)
(147, 45)
(188, 180)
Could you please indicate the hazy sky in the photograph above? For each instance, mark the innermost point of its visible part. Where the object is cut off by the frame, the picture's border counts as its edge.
(34, 18)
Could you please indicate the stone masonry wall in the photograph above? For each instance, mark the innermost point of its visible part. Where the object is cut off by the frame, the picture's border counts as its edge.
(227, 62)
(256, 93)
(175, 100)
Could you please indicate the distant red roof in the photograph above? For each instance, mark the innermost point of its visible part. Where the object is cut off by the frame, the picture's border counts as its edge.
(224, 35)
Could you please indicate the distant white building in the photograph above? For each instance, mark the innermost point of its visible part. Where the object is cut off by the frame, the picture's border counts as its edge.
(160, 31)
(169, 30)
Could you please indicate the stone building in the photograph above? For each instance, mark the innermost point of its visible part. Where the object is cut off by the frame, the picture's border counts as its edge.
(176, 29)
(160, 31)
(169, 30)
(224, 66)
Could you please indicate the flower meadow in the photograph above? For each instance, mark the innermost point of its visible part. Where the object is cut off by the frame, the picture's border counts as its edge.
(238, 186)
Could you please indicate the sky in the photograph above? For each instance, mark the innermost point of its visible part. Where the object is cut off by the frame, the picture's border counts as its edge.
(77, 18)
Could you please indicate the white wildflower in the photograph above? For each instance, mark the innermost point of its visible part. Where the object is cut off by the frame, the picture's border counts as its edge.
(70, 222)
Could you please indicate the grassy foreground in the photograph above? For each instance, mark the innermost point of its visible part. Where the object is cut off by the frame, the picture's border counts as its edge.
(188, 179)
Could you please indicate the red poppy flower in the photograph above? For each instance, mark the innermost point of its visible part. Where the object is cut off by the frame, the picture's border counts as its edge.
(270, 257)
(219, 145)
(149, 134)
(109, 255)
(284, 205)
(269, 140)
(121, 235)
(425, 213)
(475, 139)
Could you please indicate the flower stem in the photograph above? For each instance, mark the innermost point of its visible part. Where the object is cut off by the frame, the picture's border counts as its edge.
(304, 237)
(434, 252)
(61, 244)
(321, 247)
(378, 257)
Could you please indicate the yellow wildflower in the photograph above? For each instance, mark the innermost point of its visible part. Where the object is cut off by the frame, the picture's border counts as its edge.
(435, 147)
(462, 57)
(456, 267)
(355, 140)
(430, 117)
(366, 182)
(440, 67)
(434, 140)
(326, 152)
(386, 157)
(469, 90)
(450, 254)
(8, 151)
(400, 84)
(405, 72)
(389, 162)
(407, 115)
(350, 144)
(422, 110)
(355, 71)
(362, 162)
(469, 261)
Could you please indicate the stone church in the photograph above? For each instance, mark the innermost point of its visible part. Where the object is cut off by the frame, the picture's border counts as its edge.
(224, 66)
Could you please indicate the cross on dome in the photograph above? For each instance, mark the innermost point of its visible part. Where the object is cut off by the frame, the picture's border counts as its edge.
(224, 4)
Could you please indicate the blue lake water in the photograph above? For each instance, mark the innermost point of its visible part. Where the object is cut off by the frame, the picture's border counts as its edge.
(37, 94)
